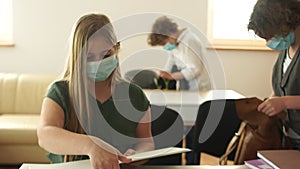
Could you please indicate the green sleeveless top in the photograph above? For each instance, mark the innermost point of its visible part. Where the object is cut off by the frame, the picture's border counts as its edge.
(116, 119)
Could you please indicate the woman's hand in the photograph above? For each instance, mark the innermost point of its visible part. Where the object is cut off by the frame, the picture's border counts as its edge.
(132, 164)
(272, 106)
(129, 152)
(104, 156)
(165, 75)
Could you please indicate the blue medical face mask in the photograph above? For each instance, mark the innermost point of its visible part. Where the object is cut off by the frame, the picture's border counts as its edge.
(101, 70)
(169, 46)
(281, 43)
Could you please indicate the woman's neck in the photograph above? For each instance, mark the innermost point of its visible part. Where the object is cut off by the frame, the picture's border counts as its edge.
(103, 90)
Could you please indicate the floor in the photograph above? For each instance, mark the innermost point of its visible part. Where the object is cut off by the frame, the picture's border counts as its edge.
(206, 159)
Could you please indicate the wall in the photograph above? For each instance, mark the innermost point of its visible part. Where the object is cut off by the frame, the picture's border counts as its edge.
(42, 29)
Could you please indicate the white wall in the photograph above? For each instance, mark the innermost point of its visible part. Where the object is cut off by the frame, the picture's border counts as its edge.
(42, 29)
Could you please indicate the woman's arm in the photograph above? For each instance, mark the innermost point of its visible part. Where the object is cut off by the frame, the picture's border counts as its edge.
(53, 138)
(144, 134)
(275, 104)
(291, 102)
(145, 139)
(171, 76)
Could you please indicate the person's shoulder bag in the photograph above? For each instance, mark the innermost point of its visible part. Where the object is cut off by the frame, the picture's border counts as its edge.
(257, 132)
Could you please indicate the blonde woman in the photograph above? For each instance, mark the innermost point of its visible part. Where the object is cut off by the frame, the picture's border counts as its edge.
(91, 112)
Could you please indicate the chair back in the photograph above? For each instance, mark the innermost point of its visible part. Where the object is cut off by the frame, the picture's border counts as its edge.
(144, 78)
(216, 124)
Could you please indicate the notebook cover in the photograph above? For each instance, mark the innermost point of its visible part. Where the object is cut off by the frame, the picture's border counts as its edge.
(281, 159)
(257, 164)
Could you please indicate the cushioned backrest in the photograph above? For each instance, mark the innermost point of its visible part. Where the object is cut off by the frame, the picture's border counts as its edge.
(167, 126)
(23, 93)
(142, 77)
(217, 120)
(8, 85)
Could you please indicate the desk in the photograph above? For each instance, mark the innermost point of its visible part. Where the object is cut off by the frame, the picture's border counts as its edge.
(37, 166)
(86, 165)
(195, 167)
(187, 103)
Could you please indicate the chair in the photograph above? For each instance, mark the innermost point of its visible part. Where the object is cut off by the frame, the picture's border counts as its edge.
(167, 131)
(148, 79)
(142, 77)
(216, 124)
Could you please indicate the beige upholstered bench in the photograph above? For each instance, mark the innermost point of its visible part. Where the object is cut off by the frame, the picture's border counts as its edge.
(21, 97)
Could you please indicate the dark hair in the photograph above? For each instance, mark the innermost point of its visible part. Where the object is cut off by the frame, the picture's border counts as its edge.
(161, 30)
(274, 17)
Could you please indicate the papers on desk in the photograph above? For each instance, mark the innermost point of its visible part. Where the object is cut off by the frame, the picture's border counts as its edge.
(158, 153)
(85, 164)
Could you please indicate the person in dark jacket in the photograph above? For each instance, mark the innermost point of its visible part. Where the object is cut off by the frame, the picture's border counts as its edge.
(278, 22)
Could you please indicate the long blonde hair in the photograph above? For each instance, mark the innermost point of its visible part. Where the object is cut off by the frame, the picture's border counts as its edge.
(86, 27)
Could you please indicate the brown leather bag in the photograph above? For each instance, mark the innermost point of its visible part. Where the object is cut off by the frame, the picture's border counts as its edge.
(257, 132)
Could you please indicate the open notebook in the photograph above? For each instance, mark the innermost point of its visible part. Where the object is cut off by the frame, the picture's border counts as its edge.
(85, 164)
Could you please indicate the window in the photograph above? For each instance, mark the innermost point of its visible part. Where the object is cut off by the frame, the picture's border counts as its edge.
(6, 23)
(227, 25)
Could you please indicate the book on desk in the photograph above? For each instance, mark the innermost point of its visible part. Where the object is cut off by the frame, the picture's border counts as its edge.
(281, 159)
(257, 164)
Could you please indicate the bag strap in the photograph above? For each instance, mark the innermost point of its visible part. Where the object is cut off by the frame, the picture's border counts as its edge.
(232, 144)
(66, 158)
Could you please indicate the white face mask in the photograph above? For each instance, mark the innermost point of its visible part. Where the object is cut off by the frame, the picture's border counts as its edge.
(101, 70)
